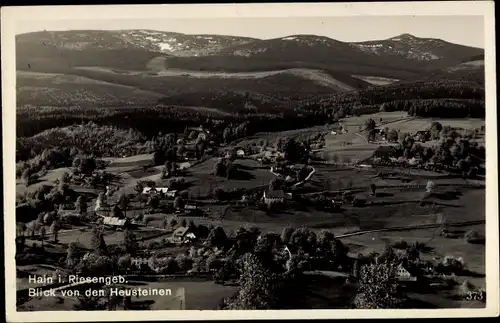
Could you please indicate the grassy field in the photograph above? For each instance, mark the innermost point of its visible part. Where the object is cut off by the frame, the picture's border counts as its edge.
(415, 124)
(352, 146)
(376, 80)
(111, 237)
(313, 75)
(48, 179)
(473, 254)
(51, 89)
(249, 174)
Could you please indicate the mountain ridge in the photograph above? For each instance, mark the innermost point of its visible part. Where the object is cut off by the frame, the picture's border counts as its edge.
(404, 51)
(241, 37)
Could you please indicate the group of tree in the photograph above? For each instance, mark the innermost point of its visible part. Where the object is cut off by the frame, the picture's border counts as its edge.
(224, 168)
(379, 288)
(294, 150)
(102, 141)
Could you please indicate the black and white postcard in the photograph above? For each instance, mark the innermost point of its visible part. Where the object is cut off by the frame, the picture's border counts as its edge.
(329, 160)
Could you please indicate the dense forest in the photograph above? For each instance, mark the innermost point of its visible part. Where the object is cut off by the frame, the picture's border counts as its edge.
(444, 99)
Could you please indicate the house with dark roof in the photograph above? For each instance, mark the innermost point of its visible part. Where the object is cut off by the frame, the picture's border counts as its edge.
(277, 196)
(115, 222)
(183, 235)
(385, 152)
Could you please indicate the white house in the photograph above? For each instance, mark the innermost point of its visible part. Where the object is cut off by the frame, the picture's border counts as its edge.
(240, 153)
(203, 135)
(274, 196)
(115, 222)
(172, 193)
(148, 190)
(402, 274)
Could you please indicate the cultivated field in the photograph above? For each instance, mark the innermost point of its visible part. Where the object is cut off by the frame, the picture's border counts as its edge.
(249, 174)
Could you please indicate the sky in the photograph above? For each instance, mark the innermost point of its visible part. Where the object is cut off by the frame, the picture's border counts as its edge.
(465, 30)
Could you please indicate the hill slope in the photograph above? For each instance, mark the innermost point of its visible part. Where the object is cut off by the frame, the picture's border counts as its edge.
(148, 40)
(435, 52)
(155, 64)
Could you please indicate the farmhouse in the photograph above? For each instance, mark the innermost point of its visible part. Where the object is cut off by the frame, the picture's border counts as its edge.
(153, 190)
(385, 152)
(274, 196)
(162, 190)
(240, 153)
(183, 235)
(203, 135)
(139, 262)
(402, 274)
(115, 222)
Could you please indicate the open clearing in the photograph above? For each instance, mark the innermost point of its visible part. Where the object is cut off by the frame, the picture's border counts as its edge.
(317, 76)
(353, 145)
(52, 89)
(248, 174)
(376, 80)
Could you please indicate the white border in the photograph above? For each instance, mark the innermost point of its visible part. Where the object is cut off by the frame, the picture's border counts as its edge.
(11, 15)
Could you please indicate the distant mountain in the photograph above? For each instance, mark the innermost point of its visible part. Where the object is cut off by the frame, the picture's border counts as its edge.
(148, 40)
(302, 65)
(434, 51)
(317, 50)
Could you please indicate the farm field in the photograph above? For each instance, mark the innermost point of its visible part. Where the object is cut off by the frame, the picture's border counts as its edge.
(353, 146)
(249, 174)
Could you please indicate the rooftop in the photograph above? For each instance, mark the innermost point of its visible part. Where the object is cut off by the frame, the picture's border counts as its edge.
(181, 231)
(114, 221)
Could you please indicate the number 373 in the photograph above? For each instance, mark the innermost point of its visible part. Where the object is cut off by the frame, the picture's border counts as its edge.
(474, 296)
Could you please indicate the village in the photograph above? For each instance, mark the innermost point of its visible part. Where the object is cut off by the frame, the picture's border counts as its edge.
(199, 207)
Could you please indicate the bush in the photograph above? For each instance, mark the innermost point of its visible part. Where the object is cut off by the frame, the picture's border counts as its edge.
(401, 245)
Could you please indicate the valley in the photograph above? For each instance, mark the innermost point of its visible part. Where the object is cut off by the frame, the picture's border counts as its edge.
(232, 166)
